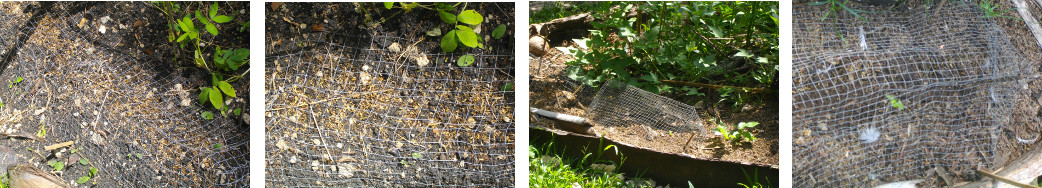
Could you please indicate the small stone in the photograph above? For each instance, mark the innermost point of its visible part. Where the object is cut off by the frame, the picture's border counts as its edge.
(293, 160)
(319, 74)
(281, 144)
(339, 145)
(346, 170)
(246, 118)
(77, 114)
(364, 78)
(314, 165)
(302, 26)
(316, 141)
(40, 111)
(102, 29)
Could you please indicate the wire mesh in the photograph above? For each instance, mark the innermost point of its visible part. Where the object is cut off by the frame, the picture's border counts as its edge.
(619, 104)
(356, 113)
(952, 68)
(131, 115)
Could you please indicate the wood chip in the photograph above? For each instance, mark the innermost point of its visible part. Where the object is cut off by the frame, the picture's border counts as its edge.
(346, 159)
(82, 21)
(276, 5)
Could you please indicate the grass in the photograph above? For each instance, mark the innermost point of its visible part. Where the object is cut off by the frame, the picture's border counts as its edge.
(549, 168)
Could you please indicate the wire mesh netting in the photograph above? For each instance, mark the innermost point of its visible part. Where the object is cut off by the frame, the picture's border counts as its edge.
(380, 111)
(953, 77)
(621, 105)
(84, 78)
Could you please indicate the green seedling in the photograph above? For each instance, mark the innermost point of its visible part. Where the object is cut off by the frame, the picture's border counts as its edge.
(217, 146)
(14, 82)
(738, 134)
(895, 102)
(990, 12)
(417, 155)
(57, 165)
(207, 115)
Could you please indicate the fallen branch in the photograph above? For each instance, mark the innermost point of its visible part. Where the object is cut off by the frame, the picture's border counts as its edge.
(1029, 20)
(1004, 180)
(22, 136)
(711, 86)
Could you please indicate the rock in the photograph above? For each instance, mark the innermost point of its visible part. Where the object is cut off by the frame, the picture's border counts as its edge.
(537, 45)
(314, 165)
(346, 170)
(281, 144)
(101, 29)
(293, 160)
(364, 78)
(246, 118)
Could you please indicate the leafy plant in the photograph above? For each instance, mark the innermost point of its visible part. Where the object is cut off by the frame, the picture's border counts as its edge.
(836, 5)
(990, 12)
(465, 60)
(728, 43)
(56, 165)
(895, 102)
(738, 134)
(417, 155)
(14, 82)
(225, 62)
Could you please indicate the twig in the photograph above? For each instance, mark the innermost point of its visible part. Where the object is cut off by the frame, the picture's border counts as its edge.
(24, 136)
(1004, 180)
(59, 145)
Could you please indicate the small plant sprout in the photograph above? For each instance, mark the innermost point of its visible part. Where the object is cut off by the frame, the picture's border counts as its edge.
(895, 102)
(14, 82)
(869, 135)
(738, 134)
(990, 12)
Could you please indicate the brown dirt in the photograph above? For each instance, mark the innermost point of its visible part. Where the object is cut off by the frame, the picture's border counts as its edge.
(551, 90)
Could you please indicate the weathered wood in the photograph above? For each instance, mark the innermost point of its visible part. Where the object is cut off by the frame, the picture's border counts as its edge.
(1029, 20)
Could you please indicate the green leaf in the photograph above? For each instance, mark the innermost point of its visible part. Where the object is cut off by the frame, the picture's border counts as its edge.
(183, 37)
(744, 53)
(204, 95)
(226, 88)
(238, 111)
(222, 19)
(410, 6)
(211, 28)
(500, 30)
(18, 80)
(465, 60)
(217, 146)
(213, 9)
(185, 23)
(417, 155)
(448, 42)
(470, 17)
(509, 86)
(467, 36)
(207, 115)
(42, 132)
(216, 98)
(82, 180)
(58, 166)
(93, 172)
(83, 161)
(138, 155)
(388, 5)
(447, 17)
(744, 125)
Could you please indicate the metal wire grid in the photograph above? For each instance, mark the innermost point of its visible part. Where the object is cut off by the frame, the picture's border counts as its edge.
(114, 105)
(355, 114)
(952, 68)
